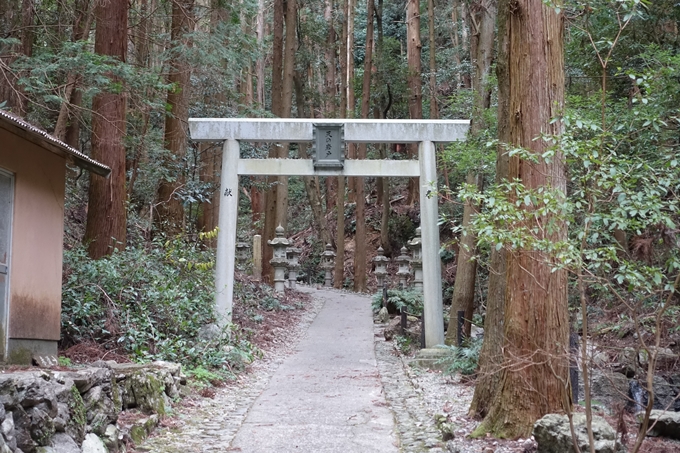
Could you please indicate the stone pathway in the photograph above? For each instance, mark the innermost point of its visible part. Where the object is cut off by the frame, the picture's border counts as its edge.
(327, 396)
(323, 391)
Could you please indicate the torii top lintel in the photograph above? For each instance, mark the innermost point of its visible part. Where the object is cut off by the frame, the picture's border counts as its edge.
(301, 130)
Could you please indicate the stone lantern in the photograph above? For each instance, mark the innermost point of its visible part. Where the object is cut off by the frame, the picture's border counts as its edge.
(416, 246)
(403, 272)
(293, 256)
(242, 254)
(381, 267)
(328, 263)
(279, 261)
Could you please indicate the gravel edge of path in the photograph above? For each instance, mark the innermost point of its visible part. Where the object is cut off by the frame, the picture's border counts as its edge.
(415, 428)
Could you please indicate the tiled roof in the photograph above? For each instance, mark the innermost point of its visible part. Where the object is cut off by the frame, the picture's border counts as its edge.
(39, 137)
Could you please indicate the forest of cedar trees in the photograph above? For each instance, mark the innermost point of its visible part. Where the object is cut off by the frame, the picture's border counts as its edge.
(560, 207)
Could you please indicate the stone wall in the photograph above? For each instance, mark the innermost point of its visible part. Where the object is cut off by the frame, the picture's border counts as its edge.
(76, 411)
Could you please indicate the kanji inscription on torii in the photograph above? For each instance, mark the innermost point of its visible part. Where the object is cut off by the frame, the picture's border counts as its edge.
(329, 146)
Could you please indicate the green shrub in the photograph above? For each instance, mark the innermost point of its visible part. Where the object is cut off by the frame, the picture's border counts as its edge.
(151, 302)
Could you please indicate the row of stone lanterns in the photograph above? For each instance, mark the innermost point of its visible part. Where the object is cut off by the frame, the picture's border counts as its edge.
(287, 258)
(403, 261)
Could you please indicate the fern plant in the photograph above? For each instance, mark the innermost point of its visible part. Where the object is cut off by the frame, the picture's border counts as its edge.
(462, 359)
(411, 301)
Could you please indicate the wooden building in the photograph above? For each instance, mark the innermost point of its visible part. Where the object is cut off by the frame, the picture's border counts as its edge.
(32, 186)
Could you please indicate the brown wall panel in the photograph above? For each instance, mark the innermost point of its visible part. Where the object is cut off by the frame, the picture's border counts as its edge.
(36, 263)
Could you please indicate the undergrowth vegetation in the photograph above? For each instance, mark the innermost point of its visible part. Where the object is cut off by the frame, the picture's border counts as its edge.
(462, 359)
(408, 299)
(151, 303)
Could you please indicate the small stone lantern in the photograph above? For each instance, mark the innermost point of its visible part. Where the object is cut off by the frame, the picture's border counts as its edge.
(242, 254)
(381, 267)
(328, 263)
(416, 246)
(293, 256)
(403, 272)
(279, 261)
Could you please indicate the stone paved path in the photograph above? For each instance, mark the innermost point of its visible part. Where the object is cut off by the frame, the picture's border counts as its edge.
(321, 393)
(327, 396)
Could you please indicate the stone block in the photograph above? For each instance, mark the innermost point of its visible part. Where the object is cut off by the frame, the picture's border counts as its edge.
(93, 444)
(663, 424)
(553, 435)
(610, 390)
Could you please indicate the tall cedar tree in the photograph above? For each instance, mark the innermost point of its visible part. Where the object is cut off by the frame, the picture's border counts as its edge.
(256, 193)
(339, 271)
(329, 90)
(276, 199)
(170, 210)
(106, 216)
(534, 370)
(360, 237)
(415, 82)
(271, 195)
(481, 48)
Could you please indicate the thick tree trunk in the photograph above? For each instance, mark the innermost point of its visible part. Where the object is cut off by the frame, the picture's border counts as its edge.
(257, 195)
(380, 112)
(170, 210)
(534, 374)
(287, 104)
(415, 98)
(330, 92)
(351, 101)
(491, 353)
(270, 197)
(360, 237)
(106, 215)
(466, 272)
(339, 271)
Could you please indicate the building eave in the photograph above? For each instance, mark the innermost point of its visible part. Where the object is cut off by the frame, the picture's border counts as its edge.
(41, 138)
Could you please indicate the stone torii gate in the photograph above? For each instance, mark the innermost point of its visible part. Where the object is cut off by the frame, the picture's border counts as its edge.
(424, 132)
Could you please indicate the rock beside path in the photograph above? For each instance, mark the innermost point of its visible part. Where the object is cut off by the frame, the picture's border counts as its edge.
(664, 424)
(553, 434)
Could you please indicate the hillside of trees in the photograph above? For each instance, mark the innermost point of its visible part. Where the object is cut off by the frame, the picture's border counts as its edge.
(561, 206)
